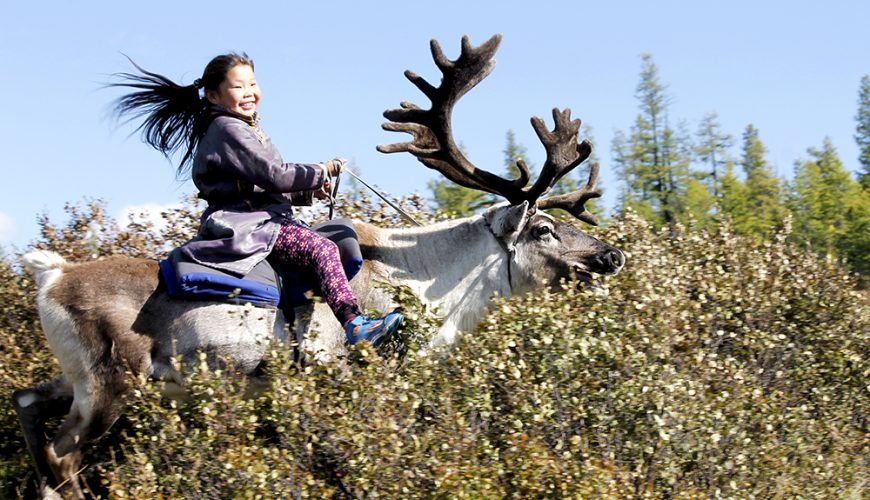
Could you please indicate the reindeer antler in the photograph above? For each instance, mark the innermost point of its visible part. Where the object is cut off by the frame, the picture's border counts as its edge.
(433, 143)
(434, 146)
(575, 201)
(564, 153)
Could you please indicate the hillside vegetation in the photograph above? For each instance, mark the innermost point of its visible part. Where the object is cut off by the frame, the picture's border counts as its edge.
(719, 365)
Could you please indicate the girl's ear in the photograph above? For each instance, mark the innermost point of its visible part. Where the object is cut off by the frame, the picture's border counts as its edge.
(212, 96)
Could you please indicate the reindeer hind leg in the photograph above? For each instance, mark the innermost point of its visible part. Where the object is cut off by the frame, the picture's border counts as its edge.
(34, 407)
(94, 409)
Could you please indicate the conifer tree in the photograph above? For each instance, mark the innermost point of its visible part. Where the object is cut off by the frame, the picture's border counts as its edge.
(457, 200)
(354, 189)
(763, 193)
(461, 201)
(712, 149)
(862, 131)
(855, 243)
(653, 161)
(514, 151)
(698, 202)
(732, 198)
(822, 195)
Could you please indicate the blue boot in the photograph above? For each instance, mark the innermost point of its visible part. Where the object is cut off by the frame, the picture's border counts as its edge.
(375, 330)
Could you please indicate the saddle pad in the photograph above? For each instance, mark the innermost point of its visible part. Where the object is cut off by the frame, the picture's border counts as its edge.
(186, 279)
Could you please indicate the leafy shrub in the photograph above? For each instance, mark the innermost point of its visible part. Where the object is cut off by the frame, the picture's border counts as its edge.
(717, 366)
(24, 360)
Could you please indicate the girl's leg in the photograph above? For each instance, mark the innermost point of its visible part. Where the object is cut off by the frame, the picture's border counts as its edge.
(303, 247)
(300, 246)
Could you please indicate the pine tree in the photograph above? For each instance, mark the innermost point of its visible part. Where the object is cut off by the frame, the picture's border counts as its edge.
(653, 161)
(698, 203)
(763, 193)
(353, 189)
(822, 195)
(713, 149)
(461, 201)
(457, 200)
(678, 154)
(855, 243)
(733, 203)
(514, 151)
(862, 131)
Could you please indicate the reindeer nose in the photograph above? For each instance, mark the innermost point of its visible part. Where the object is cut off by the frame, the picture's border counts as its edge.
(612, 260)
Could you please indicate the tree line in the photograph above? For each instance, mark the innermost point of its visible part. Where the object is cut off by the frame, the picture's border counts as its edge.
(670, 175)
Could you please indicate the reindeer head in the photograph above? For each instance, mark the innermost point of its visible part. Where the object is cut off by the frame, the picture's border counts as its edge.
(544, 250)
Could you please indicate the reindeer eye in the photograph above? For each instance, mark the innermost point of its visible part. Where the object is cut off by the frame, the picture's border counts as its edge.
(542, 231)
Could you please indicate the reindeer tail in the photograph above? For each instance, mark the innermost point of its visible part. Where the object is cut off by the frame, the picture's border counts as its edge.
(41, 262)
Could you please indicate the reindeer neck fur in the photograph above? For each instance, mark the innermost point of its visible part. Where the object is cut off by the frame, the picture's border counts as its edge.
(454, 267)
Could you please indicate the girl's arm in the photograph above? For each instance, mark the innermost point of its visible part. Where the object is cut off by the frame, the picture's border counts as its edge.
(262, 166)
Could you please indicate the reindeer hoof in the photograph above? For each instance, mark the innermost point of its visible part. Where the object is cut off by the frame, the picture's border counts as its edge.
(48, 493)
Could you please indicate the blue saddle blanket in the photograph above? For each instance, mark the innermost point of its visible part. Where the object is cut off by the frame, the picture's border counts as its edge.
(268, 284)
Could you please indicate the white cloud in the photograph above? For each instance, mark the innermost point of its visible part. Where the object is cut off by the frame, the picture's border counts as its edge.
(8, 228)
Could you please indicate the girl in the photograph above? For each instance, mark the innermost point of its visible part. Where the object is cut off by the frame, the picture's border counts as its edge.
(249, 189)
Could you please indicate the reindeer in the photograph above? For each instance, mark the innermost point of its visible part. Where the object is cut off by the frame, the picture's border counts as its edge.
(105, 318)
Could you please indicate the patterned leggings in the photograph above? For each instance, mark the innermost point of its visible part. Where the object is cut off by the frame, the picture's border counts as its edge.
(302, 247)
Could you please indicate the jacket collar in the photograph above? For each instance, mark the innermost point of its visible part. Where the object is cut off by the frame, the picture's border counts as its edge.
(216, 110)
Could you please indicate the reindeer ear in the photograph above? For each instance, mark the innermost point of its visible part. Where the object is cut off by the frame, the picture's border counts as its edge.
(507, 220)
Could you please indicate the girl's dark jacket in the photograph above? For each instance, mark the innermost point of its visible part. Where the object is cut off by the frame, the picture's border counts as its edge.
(250, 193)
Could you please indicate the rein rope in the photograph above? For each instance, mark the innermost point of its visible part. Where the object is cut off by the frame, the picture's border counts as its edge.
(395, 207)
(333, 194)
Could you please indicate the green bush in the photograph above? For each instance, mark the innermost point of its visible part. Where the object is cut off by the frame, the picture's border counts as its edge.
(717, 366)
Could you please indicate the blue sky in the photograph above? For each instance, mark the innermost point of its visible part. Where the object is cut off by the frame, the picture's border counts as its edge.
(329, 69)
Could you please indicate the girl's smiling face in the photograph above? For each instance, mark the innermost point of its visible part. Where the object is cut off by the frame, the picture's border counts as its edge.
(238, 92)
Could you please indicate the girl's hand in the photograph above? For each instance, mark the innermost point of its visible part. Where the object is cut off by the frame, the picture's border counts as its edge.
(323, 192)
(335, 167)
